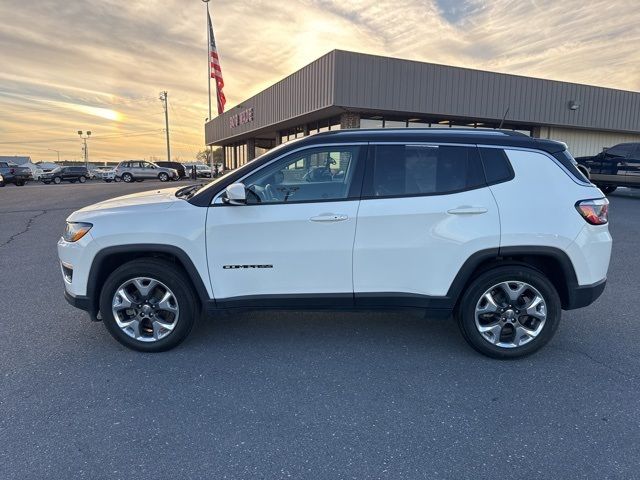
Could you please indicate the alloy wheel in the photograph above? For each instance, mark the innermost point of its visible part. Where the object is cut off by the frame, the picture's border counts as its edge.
(145, 309)
(510, 314)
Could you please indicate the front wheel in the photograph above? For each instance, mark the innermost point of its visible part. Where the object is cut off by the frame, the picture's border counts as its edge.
(57, 180)
(82, 179)
(163, 177)
(127, 178)
(509, 312)
(147, 305)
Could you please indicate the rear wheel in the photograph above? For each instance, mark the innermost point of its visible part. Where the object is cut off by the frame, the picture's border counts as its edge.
(127, 178)
(163, 177)
(147, 305)
(20, 183)
(57, 180)
(509, 312)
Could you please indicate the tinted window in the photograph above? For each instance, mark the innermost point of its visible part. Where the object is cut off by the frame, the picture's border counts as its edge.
(570, 164)
(621, 150)
(424, 169)
(496, 165)
(315, 174)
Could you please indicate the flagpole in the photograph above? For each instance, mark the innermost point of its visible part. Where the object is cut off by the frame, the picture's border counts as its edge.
(209, 80)
(208, 56)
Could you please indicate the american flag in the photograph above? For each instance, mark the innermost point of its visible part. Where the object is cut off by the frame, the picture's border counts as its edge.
(215, 70)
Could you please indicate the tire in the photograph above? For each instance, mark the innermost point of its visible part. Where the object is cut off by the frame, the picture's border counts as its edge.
(57, 180)
(508, 344)
(608, 189)
(127, 178)
(169, 277)
(82, 179)
(163, 177)
(20, 183)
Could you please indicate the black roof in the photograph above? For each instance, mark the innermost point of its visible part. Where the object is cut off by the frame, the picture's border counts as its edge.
(508, 138)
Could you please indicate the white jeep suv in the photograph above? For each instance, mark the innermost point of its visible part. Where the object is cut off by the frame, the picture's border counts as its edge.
(498, 229)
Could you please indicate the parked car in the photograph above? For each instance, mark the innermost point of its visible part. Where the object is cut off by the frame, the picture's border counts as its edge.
(447, 221)
(104, 173)
(618, 166)
(139, 170)
(34, 169)
(12, 173)
(177, 166)
(202, 170)
(65, 174)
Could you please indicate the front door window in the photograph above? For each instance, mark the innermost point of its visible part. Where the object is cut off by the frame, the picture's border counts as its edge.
(317, 174)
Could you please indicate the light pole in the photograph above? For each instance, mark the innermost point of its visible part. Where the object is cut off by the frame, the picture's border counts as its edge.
(164, 99)
(84, 137)
(57, 151)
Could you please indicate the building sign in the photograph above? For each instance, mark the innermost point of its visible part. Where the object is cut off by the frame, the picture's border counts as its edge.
(241, 118)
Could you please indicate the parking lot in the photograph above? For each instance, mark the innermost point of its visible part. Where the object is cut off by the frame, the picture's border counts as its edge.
(304, 395)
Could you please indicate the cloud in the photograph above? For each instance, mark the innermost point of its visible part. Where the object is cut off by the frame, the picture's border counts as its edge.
(66, 58)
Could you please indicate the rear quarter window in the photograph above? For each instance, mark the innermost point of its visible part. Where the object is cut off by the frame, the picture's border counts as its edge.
(497, 167)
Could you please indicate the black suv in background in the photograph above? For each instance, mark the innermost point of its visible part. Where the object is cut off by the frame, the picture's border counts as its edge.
(618, 166)
(177, 166)
(65, 174)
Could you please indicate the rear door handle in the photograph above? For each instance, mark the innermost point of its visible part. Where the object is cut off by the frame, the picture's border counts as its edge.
(467, 210)
(329, 217)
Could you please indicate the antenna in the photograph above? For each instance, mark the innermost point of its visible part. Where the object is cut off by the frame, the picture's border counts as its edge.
(503, 117)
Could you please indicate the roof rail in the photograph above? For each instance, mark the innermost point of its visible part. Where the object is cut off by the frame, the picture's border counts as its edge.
(433, 131)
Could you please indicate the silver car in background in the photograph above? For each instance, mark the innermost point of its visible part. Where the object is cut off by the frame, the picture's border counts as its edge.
(139, 170)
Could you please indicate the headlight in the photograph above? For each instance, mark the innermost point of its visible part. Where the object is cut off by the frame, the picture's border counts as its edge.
(75, 231)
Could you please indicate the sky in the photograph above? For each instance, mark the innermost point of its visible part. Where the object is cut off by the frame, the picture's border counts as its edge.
(100, 65)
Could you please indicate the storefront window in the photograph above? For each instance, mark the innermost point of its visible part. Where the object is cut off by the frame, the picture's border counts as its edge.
(371, 123)
(395, 124)
(417, 124)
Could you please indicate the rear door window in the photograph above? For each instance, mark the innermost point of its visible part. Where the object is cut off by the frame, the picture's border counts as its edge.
(411, 170)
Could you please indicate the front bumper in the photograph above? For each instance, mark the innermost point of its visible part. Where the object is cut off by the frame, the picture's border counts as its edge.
(83, 303)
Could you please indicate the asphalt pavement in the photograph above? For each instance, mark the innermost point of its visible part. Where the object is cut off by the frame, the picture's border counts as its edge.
(305, 395)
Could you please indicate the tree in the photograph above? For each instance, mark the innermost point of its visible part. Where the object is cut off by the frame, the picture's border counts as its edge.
(203, 156)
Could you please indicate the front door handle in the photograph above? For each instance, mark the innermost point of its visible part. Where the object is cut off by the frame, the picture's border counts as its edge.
(329, 217)
(467, 210)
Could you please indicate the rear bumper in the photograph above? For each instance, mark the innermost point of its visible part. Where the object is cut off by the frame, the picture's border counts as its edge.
(583, 295)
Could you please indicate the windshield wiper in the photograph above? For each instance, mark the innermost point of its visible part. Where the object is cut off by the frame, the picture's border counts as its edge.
(189, 191)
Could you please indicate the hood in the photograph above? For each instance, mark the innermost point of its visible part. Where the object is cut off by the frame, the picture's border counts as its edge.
(153, 199)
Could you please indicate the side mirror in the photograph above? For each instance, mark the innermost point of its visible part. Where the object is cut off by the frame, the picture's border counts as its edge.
(236, 194)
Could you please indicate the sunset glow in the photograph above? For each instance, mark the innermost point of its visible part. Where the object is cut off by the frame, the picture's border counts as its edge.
(105, 72)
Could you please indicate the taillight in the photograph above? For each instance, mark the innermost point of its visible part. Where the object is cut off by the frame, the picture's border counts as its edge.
(595, 212)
